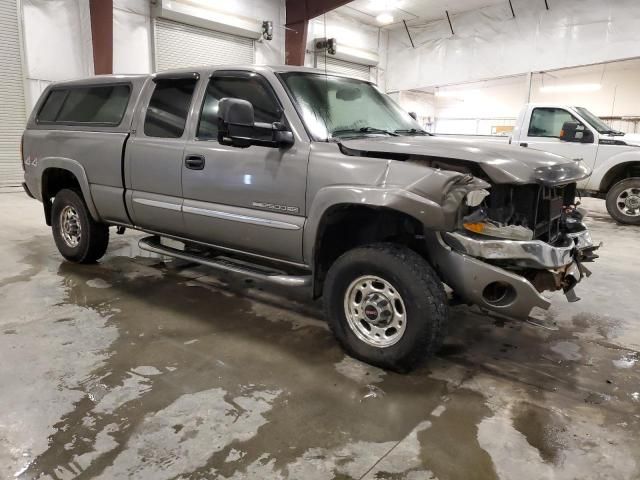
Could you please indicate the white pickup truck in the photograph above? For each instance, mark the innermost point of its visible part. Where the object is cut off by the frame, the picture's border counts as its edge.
(575, 132)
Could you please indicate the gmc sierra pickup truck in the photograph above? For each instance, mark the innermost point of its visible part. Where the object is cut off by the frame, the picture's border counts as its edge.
(575, 132)
(304, 179)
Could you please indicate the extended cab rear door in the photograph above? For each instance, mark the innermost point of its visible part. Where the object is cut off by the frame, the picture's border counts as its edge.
(154, 153)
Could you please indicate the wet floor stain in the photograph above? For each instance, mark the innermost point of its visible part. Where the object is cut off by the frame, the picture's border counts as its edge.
(144, 368)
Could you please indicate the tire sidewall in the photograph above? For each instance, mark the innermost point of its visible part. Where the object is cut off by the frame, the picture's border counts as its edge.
(612, 197)
(420, 316)
(70, 198)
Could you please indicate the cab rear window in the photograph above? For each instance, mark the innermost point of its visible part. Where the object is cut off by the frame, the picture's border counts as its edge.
(92, 105)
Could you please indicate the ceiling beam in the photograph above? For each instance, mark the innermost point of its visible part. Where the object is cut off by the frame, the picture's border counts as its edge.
(299, 12)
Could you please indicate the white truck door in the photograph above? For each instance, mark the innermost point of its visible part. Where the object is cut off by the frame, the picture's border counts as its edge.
(542, 132)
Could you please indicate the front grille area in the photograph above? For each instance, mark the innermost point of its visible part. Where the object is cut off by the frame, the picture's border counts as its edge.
(533, 206)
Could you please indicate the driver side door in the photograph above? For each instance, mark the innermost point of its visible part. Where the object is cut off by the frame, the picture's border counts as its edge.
(543, 133)
(247, 199)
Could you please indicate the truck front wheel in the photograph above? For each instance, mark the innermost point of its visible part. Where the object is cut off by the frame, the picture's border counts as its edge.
(623, 201)
(79, 238)
(386, 305)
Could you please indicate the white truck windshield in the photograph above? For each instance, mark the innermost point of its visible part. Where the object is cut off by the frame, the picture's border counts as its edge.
(596, 122)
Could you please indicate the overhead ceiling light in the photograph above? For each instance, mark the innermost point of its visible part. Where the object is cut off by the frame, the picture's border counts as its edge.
(384, 4)
(385, 18)
(582, 87)
(457, 93)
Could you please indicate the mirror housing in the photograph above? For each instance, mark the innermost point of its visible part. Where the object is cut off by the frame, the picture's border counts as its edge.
(575, 132)
(413, 115)
(237, 127)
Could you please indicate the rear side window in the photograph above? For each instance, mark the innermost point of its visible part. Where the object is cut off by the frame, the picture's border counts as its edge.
(169, 108)
(100, 104)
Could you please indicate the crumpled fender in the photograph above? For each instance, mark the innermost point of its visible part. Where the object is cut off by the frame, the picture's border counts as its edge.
(433, 199)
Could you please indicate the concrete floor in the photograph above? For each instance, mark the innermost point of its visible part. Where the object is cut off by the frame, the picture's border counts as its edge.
(138, 369)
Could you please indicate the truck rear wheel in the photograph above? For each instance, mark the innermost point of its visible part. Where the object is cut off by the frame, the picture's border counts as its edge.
(79, 238)
(386, 306)
(623, 201)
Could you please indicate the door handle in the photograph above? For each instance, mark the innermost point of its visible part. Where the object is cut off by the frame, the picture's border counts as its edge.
(524, 144)
(194, 162)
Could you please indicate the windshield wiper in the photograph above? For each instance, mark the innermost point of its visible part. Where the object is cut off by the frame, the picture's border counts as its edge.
(364, 130)
(413, 131)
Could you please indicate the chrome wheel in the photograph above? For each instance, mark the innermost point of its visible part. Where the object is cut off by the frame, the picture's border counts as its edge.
(375, 311)
(70, 228)
(628, 202)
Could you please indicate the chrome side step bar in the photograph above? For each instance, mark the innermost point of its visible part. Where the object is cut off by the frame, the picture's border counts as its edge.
(220, 262)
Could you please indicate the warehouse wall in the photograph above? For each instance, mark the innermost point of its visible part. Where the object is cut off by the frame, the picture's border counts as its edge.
(478, 107)
(57, 43)
(489, 43)
(133, 50)
(351, 33)
(618, 94)
(57, 38)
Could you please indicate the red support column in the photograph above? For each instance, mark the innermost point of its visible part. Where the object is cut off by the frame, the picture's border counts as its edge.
(299, 12)
(296, 42)
(102, 35)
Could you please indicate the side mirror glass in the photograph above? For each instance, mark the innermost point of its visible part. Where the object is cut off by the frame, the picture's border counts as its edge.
(237, 127)
(575, 132)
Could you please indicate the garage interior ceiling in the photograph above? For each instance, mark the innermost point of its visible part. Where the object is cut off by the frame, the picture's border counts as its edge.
(412, 11)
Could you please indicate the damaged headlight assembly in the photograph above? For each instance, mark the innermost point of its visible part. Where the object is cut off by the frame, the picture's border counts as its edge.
(479, 222)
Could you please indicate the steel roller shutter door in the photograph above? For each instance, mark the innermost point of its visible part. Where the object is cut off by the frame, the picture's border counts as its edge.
(12, 113)
(343, 67)
(178, 45)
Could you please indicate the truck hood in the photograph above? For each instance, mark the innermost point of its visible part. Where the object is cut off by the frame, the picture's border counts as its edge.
(501, 163)
(631, 139)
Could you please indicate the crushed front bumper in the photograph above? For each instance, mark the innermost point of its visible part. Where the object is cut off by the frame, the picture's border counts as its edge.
(532, 253)
(479, 269)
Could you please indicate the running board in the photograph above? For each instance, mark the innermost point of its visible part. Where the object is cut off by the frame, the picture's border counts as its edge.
(259, 272)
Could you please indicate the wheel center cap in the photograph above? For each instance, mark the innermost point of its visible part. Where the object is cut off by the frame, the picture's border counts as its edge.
(371, 313)
(633, 201)
(377, 310)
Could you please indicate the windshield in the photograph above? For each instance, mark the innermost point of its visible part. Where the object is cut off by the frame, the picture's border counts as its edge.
(595, 122)
(336, 107)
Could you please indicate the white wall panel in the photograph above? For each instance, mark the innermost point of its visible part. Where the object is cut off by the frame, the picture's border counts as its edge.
(12, 110)
(178, 45)
(489, 43)
(57, 40)
(133, 51)
(131, 36)
(349, 33)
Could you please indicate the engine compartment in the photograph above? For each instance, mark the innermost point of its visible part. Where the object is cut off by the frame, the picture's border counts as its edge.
(546, 212)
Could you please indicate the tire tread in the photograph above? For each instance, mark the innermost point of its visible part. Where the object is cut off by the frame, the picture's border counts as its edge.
(424, 347)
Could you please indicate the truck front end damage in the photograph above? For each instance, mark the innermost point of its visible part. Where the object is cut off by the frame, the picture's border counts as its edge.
(501, 226)
(514, 242)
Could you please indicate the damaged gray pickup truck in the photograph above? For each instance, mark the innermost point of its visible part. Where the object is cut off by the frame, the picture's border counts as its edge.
(304, 179)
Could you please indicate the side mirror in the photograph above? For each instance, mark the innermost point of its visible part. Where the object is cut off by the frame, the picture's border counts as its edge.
(413, 115)
(575, 132)
(237, 127)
